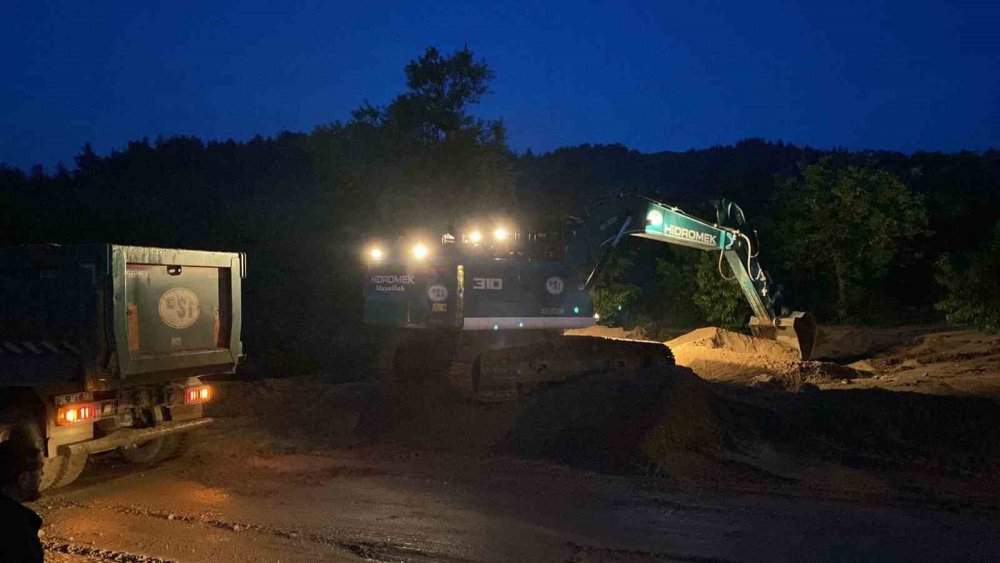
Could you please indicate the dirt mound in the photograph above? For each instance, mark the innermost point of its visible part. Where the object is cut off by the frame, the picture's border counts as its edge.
(669, 419)
(600, 421)
(602, 331)
(952, 362)
(434, 416)
(848, 343)
(664, 417)
(721, 355)
(715, 338)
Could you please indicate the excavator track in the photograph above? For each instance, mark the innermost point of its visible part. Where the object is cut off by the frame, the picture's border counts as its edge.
(413, 359)
(493, 369)
(501, 366)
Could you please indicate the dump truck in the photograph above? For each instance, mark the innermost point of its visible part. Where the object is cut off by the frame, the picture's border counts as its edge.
(103, 347)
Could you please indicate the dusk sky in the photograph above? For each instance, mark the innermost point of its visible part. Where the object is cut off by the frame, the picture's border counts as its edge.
(904, 75)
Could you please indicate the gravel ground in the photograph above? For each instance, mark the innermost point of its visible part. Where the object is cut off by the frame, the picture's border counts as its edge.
(649, 466)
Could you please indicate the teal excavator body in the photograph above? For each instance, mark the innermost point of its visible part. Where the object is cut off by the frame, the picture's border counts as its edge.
(493, 308)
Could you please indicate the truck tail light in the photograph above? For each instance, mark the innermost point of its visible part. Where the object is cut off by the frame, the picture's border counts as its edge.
(71, 414)
(199, 394)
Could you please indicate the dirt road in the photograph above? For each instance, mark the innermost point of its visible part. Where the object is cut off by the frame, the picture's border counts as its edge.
(717, 466)
(389, 502)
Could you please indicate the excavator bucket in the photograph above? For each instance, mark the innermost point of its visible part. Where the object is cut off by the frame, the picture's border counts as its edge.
(796, 330)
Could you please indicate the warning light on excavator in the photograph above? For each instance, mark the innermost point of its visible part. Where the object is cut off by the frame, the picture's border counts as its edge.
(576, 310)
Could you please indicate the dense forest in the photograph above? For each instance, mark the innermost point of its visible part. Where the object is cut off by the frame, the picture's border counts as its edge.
(854, 236)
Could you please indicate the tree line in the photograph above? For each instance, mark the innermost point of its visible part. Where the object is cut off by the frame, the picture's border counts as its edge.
(855, 236)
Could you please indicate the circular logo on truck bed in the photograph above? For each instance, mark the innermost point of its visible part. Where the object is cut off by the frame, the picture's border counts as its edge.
(179, 307)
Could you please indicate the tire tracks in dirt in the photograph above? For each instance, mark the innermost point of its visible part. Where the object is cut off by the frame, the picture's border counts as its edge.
(366, 549)
(59, 545)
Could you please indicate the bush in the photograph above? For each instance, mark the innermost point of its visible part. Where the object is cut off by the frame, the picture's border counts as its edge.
(720, 298)
(972, 286)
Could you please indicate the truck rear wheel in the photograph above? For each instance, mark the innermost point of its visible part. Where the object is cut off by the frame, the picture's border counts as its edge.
(55, 471)
(61, 470)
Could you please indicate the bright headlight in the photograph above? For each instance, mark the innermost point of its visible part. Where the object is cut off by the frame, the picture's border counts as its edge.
(654, 217)
(376, 254)
(475, 237)
(501, 233)
(420, 251)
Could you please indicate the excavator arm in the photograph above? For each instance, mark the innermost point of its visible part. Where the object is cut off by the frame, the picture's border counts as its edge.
(664, 223)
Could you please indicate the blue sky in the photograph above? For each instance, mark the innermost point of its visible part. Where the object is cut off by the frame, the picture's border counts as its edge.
(654, 76)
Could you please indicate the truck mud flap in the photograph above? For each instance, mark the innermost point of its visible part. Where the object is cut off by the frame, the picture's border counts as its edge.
(129, 436)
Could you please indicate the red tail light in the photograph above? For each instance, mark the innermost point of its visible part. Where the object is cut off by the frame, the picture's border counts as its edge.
(71, 414)
(199, 394)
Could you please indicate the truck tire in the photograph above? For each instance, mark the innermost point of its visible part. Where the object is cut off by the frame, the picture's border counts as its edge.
(182, 442)
(64, 469)
(56, 471)
(51, 468)
(155, 451)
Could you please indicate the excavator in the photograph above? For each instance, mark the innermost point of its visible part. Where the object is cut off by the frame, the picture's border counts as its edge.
(488, 309)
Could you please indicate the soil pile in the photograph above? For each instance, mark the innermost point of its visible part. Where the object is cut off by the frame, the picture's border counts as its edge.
(603, 420)
(601, 331)
(664, 417)
(724, 356)
(848, 343)
(956, 362)
(669, 419)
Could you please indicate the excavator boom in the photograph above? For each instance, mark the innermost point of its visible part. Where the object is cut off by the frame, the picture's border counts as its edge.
(793, 329)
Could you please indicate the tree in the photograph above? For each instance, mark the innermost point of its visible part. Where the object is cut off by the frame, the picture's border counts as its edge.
(424, 159)
(441, 90)
(720, 298)
(972, 283)
(613, 293)
(676, 285)
(851, 222)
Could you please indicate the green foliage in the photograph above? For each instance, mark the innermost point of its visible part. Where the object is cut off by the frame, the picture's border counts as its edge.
(613, 294)
(676, 285)
(441, 90)
(423, 159)
(720, 298)
(972, 286)
(692, 292)
(851, 222)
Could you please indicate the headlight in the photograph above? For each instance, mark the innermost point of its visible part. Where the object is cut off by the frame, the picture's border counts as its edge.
(501, 233)
(420, 251)
(654, 217)
(475, 237)
(376, 254)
